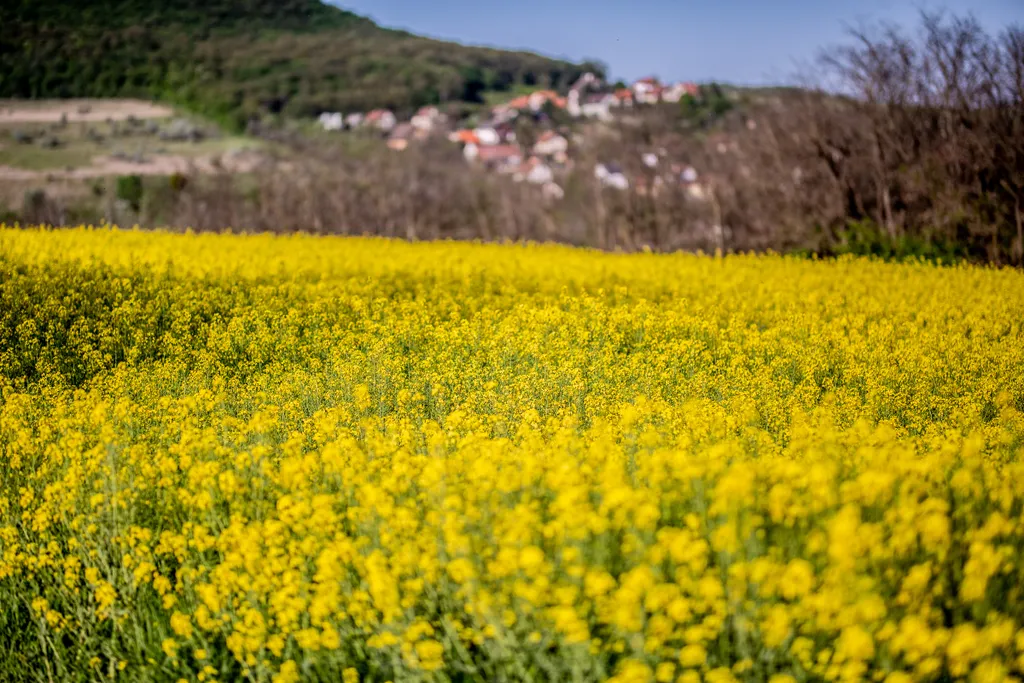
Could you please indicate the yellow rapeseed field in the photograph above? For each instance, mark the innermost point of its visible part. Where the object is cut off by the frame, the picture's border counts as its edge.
(278, 459)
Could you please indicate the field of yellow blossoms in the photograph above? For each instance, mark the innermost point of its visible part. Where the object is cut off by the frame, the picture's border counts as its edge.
(258, 458)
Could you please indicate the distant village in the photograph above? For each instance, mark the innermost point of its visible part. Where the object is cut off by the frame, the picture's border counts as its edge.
(491, 144)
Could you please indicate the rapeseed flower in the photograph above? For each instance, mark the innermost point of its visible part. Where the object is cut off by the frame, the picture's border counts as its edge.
(281, 458)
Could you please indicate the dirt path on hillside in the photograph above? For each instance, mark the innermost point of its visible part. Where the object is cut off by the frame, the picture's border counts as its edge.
(79, 110)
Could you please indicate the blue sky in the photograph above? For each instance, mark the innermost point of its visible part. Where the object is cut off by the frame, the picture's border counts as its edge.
(745, 42)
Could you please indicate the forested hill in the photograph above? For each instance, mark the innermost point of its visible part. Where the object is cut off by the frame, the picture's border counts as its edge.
(233, 58)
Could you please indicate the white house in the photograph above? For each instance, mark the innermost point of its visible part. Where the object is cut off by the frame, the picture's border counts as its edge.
(650, 160)
(421, 122)
(623, 98)
(427, 118)
(611, 176)
(550, 144)
(617, 181)
(647, 90)
(539, 174)
(675, 92)
(591, 106)
(599, 107)
(487, 135)
(332, 121)
(382, 119)
(354, 120)
(672, 93)
(646, 85)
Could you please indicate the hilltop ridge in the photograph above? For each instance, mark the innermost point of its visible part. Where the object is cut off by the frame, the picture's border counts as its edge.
(247, 14)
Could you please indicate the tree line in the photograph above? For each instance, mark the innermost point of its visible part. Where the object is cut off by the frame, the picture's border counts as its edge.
(927, 145)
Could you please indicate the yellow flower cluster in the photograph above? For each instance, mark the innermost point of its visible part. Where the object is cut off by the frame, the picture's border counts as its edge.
(293, 458)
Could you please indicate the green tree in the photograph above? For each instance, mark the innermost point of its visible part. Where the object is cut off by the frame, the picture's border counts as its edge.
(130, 190)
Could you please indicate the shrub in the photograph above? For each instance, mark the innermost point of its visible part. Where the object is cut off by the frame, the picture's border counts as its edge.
(130, 190)
(177, 182)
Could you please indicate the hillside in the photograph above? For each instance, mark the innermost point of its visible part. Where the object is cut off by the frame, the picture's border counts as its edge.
(231, 59)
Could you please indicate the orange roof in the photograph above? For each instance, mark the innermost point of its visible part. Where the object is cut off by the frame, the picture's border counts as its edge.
(552, 96)
(624, 92)
(468, 137)
(523, 101)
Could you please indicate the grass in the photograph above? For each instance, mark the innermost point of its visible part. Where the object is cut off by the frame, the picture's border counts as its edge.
(35, 158)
